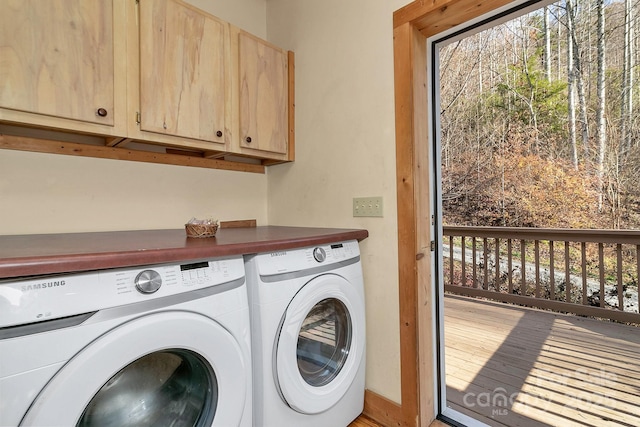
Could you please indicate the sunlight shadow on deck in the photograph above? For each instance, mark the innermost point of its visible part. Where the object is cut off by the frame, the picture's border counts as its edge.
(509, 365)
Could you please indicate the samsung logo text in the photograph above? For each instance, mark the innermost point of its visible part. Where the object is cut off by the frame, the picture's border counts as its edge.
(43, 285)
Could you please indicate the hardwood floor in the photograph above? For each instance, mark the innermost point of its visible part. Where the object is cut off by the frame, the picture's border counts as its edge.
(515, 366)
(364, 421)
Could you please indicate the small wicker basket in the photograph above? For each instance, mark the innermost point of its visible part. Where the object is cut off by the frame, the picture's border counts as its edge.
(201, 230)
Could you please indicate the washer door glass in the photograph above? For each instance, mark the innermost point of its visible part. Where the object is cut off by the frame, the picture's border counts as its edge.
(324, 342)
(156, 369)
(172, 387)
(319, 348)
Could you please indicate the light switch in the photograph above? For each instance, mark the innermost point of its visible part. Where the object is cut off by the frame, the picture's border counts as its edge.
(367, 206)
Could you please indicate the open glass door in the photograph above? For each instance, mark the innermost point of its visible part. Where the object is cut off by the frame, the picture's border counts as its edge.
(456, 62)
(532, 112)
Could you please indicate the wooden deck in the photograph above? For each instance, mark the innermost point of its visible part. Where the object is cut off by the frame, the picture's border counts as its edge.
(516, 366)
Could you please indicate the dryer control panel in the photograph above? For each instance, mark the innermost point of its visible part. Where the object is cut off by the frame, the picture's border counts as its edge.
(306, 258)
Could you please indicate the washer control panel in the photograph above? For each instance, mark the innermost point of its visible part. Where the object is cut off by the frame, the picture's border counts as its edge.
(170, 279)
(38, 299)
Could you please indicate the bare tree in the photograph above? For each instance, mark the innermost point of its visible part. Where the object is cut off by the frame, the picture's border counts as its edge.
(547, 45)
(601, 89)
(627, 84)
(559, 38)
(578, 77)
(571, 109)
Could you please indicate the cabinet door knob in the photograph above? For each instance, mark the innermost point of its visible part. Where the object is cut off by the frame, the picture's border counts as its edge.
(219, 133)
(248, 139)
(101, 112)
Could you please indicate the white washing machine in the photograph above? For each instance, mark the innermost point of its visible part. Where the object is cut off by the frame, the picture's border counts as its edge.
(161, 345)
(308, 335)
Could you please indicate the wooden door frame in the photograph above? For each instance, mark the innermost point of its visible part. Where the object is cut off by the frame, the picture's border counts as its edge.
(412, 25)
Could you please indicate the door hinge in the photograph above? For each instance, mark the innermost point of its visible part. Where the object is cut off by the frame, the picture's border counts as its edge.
(433, 245)
(138, 117)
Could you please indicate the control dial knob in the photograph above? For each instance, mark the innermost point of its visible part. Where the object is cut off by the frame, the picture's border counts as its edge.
(319, 254)
(148, 281)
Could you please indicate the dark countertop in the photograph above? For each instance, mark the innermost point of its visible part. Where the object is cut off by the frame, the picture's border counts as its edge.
(36, 254)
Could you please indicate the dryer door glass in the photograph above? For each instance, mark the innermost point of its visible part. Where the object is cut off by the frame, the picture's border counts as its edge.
(324, 342)
(172, 387)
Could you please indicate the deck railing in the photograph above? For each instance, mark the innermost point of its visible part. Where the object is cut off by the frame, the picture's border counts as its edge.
(585, 272)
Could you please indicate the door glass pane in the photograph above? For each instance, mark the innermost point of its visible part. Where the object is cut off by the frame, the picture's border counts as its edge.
(171, 387)
(324, 342)
(533, 159)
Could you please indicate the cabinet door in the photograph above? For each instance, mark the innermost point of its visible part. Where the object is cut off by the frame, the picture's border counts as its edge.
(57, 58)
(263, 95)
(182, 76)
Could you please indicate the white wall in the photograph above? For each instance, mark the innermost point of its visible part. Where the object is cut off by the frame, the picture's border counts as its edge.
(43, 193)
(345, 148)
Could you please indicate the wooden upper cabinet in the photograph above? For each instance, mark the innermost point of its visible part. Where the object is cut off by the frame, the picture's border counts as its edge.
(263, 99)
(182, 72)
(57, 61)
(148, 75)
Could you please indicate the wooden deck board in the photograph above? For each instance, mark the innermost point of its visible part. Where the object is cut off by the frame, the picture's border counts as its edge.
(556, 354)
(556, 369)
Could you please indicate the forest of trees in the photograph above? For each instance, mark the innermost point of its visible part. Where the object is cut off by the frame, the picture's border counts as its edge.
(539, 122)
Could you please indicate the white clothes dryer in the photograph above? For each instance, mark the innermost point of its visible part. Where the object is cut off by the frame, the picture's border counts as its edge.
(308, 332)
(148, 346)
